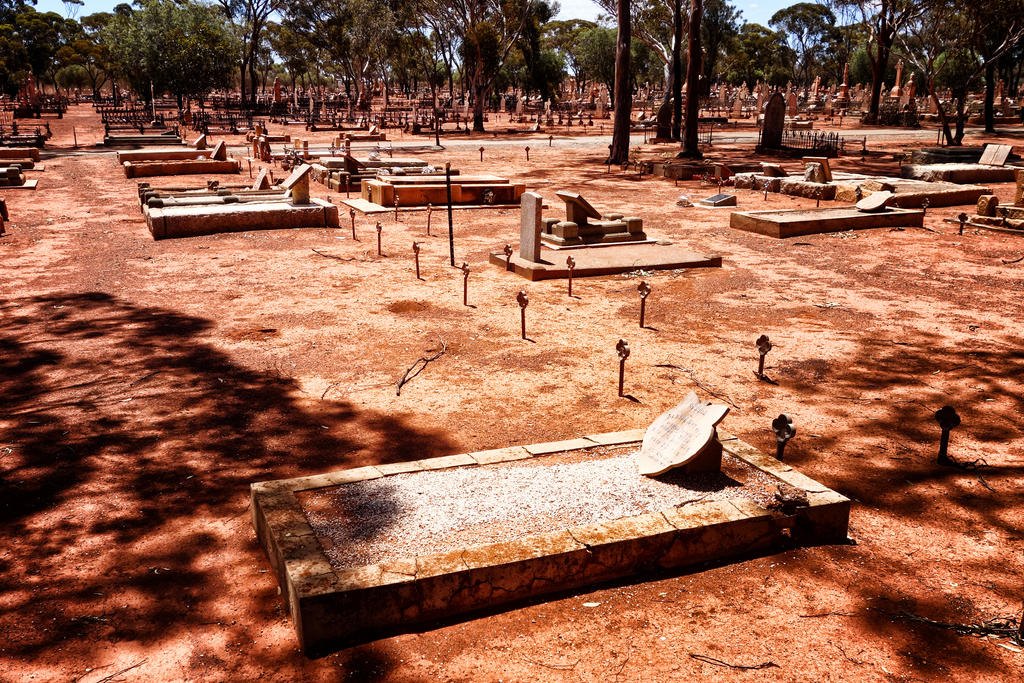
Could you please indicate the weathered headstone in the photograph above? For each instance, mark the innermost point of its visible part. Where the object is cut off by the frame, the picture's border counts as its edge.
(663, 124)
(875, 202)
(995, 155)
(577, 209)
(773, 170)
(774, 121)
(298, 184)
(987, 204)
(678, 436)
(531, 205)
(815, 173)
(824, 165)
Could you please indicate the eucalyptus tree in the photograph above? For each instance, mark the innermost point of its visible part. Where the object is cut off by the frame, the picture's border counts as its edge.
(249, 19)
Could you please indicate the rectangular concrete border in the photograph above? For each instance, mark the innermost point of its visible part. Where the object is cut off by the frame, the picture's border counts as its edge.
(335, 608)
(782, 224)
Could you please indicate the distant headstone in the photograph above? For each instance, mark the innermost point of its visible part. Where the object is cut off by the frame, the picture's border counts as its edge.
(219, 152)
(720, 199)
(679, 435)
(815, 173)
(262, 181)
(663, 127)
(530, 205)
(995, 155)
(199, 142)
(774, 121)
(875, 202)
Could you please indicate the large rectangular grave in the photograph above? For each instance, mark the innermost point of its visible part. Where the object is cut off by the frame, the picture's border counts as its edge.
(796, 222)
(374, 551)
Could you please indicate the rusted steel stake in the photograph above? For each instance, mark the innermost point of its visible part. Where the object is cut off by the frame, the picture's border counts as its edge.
(527, 153)
(622, 348)
(379, 228)
(963, 219)
(508, 256)
(523, 302)
(430, 212)
(571, 263)
(352, 215)
(948, 420)
(416, 255)
(481, 153)
(465, 283)
(645, 290)
(396, 207)
(764, 345)
(784, 431)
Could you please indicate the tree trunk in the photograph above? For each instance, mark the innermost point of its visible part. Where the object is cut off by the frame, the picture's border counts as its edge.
(691, 143)
(961, 98)
(677, 69)
(878, 67)
(479, 93)
(619, 152)
(990, 96)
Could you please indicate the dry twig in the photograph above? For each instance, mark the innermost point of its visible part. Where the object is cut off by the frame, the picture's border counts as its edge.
(118, 673)
(699, 383)
(336, 258)
(718, 662)
(1016, 260)
(997, 627)
(422, 364)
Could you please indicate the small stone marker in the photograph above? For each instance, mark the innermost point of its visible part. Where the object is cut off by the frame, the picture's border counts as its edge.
(622, 349)
(531, 205)
(644, 290)
(948, 420)
(523, 302)
(220, 152)
(200, 142)
(465, 283)
(987, 204)
(784, 431)
(678, 436)
(570, 263)
(352, 216)
(764, 345)
(720, 199)
(826, 169)
(262, 182)
(773, 170)
(416, 255)
(379, 228)
(508, 256)
(875, 202)
(995, 155)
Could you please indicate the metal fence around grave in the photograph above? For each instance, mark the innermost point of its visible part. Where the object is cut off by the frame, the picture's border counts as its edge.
(817, 142)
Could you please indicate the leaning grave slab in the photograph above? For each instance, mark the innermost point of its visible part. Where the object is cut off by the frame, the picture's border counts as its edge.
(348, 577)
(991, 168)
(298, 210)
(615, 244)
(214, 161)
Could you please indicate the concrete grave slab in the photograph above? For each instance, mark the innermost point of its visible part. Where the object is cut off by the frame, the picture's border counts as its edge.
(608, 260)
(720, 199)
(336, 603)
(875, 202)
(795, 222)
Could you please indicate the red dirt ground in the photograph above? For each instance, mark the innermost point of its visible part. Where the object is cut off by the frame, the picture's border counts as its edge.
(146, 384)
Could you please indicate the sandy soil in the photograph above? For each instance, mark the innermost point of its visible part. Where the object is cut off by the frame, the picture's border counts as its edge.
(146, 384)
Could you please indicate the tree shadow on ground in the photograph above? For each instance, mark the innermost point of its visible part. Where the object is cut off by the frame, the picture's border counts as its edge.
(127, 438)
(885, 442)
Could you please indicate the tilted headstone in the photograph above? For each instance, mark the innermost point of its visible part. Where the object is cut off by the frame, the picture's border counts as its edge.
(995, 155)
(678, 436)
(262, 181)
(298, 184)
(875, 202)
(531, 205)
(219, 152)
(577, 209)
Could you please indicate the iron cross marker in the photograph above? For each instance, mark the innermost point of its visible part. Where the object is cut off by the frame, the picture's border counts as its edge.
(948, 420)
(645, 290)
(784, 431)
(764, 345)
(523, 302)
(622, 349)
(465, 283)
(379, 228)
(352, 215)
(570, 263)
(508, 256)
(416, 255)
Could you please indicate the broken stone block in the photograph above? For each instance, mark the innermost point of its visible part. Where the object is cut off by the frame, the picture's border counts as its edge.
(773, 170)
(987, 204)
(815, 173)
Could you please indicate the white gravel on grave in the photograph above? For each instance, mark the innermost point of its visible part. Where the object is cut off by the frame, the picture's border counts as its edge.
(428, 512)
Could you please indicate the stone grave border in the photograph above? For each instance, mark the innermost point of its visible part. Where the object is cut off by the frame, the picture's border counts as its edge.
(331, 608)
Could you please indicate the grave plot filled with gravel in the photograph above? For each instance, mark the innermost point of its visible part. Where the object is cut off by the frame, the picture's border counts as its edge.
(435, 511)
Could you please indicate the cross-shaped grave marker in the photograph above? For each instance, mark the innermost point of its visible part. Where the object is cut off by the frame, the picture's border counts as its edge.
(645, 290)
(622, 349)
